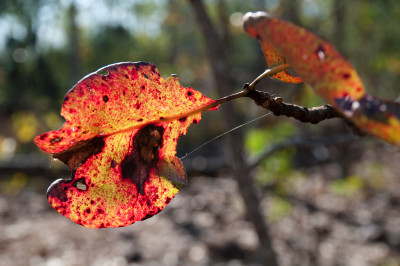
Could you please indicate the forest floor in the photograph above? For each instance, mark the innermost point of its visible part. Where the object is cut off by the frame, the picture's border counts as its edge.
(204, 224)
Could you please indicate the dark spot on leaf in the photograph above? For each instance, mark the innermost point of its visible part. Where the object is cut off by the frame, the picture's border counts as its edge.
(189, 93)
(147, 142)
(128, 167)
(195, 121)
(113, 164)
(88, 210)
(145, 75)
(85, 132)
(80, 152)
(143, 87)
(140, 120)
(346, 75)
(56, 139)
(66, 98)
(161, 118)
(183, 119)
(137, 105)
(126, 76)
(43, 136)
(377, 109)
(92, 202)
(320, 49)
(344, 103)
(105, 98)
(100, 211)
(320, 52)
(136, 165)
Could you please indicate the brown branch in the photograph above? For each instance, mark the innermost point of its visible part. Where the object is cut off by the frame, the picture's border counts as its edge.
(276, 105)
(312, 115)
(222, 76)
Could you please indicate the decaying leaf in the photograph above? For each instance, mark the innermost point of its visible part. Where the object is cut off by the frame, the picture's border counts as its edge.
(332, 77)
(119, 140)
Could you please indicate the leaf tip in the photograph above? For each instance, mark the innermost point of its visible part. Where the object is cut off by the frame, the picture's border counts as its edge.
(250, 18)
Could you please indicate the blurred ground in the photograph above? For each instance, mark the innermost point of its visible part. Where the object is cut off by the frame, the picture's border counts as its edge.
(204, 225)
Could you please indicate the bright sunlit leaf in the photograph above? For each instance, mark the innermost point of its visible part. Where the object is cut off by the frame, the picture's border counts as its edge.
(332, 76)
(119, 140)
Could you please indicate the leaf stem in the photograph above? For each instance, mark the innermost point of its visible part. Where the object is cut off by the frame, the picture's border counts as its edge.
(244, 93)
(268, 73)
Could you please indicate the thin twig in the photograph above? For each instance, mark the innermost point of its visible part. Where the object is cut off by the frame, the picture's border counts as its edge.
(268, 73)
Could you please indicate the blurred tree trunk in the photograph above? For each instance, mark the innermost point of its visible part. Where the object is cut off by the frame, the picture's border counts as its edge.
(221, 71)
(74, 55)
(339, 17)
(339, 14)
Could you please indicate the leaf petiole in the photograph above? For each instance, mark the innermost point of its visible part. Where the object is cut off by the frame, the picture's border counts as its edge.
(268, 73)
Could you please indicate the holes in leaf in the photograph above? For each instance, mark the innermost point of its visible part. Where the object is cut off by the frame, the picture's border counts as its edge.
(320, 52)
(103, 72)
(56, 139)
(148, 141)
(80, 184)
(145, 76)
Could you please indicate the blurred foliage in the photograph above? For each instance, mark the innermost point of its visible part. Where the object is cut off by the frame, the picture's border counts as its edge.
(279, 165)
(280, 207)
(348, 186)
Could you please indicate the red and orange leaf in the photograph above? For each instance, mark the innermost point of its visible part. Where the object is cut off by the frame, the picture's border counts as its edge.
(332, 77)
(274, 59)
(119, 140)
(272, 55)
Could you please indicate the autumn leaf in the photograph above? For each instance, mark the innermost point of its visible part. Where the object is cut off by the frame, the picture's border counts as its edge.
(274, 58)
(332, 77)
(119, 140)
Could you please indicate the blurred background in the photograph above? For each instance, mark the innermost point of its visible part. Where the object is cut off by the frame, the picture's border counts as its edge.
(275, 191)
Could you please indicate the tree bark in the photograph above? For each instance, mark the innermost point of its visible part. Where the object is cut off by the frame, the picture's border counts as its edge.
(221, 71)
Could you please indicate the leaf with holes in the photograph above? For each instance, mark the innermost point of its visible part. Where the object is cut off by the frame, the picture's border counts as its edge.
(332, 77)
(119, 140)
